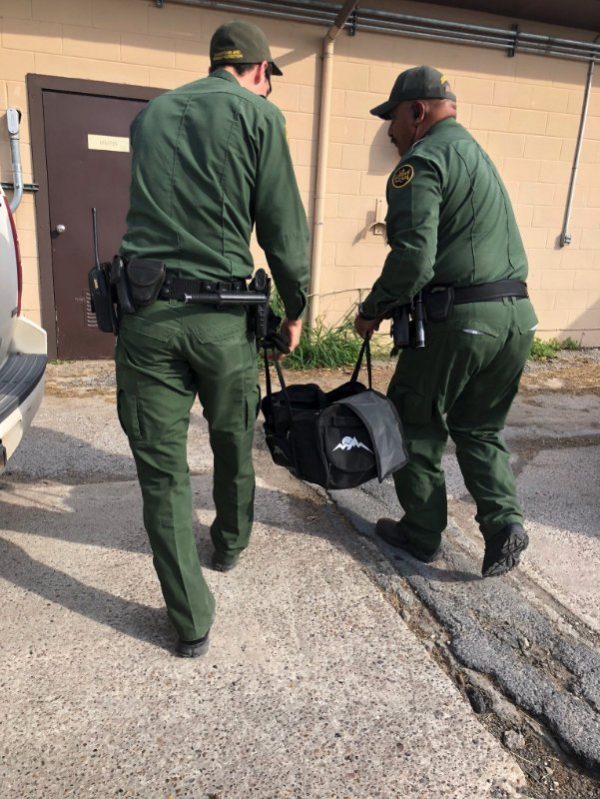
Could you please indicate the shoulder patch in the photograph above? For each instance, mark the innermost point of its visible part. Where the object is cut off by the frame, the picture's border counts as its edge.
(403, 176)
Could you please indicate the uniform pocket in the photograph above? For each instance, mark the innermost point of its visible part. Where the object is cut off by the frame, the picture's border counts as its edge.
(527, 320)
(251, 407)
(473, 331)
(479, 319)
(129, 416)
(413, 408)
(416, 409)
(145, 329)
(208, 326)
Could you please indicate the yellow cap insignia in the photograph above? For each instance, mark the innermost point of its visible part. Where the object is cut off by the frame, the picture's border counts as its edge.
(443, 79)
(403, 176)
(228, 55)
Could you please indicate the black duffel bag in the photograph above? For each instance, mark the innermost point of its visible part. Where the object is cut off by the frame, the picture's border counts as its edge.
(337, 439)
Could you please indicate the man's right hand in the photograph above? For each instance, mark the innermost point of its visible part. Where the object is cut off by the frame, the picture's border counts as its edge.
(291, 331)
(365, 327)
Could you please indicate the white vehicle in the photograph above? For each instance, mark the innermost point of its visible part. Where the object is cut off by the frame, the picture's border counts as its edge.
(23, 351)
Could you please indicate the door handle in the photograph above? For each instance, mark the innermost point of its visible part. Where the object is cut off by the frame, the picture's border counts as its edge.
(59, 229)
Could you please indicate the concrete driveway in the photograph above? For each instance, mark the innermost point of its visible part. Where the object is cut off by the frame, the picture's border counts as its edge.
(335, 670)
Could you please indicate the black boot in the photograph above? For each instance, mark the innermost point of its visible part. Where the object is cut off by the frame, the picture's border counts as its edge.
(394, 535)
(503, 551)
(224, 563)
(192, 649)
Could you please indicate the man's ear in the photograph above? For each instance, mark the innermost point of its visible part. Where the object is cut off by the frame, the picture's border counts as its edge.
(260, 71)
(418, 111)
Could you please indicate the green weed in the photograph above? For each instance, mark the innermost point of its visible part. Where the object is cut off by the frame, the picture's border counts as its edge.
(325, 347)
(570, 344)
(544, 350)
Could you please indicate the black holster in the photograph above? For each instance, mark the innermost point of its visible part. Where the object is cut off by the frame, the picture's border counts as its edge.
(120, 285)
(258, 315)
(408, 324)
(145, 277)
(439, 303)
(400, 331)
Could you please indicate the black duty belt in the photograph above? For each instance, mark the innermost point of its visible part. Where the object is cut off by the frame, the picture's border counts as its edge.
(485, 292)
(180, 288)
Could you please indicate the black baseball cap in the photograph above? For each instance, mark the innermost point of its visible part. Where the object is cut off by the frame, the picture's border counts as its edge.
(418, 83)
(240, 43)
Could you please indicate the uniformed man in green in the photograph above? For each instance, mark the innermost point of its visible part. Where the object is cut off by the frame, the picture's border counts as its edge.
(210, 161)
(453, 237)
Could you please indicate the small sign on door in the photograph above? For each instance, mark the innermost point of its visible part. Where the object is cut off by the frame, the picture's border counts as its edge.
(116, 144)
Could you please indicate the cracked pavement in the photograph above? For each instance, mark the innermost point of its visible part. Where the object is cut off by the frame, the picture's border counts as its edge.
(319, 682)
(535, 632)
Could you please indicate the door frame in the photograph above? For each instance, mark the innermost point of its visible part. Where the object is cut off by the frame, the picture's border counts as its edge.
(36, 85)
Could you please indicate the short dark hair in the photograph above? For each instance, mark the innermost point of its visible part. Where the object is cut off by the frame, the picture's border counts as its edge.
(240, 69)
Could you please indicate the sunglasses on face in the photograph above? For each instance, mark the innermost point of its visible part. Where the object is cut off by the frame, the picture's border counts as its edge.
(268, 76)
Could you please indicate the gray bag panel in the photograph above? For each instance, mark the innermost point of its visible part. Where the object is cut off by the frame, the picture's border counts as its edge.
(381, 419)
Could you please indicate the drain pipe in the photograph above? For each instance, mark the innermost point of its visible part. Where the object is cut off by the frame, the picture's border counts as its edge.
(565, 236)
(322, 158)
(387, 22)
(13, 119)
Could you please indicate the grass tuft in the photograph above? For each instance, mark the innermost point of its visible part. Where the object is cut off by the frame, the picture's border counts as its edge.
(545, 350)
(325, 347)
(570, 344)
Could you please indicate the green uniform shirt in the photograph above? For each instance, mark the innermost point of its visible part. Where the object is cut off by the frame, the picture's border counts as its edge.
(210, 160)
(449, 221)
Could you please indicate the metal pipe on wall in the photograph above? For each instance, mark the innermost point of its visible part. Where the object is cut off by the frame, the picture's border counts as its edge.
(387, 22)
(565, 236)
(322, 158)
(290, 11)
(13, 120)
(376, 21)
(318, 226)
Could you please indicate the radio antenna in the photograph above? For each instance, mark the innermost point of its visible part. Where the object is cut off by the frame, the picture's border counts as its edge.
(95, 234)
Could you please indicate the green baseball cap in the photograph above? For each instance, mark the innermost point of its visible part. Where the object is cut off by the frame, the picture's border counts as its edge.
(240, 43)
(418, 83)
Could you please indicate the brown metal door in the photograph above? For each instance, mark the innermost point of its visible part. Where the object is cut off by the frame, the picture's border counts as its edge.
(88, 162)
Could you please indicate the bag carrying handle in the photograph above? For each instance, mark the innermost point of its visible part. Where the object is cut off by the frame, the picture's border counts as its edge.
(365, 349)
(268, 385)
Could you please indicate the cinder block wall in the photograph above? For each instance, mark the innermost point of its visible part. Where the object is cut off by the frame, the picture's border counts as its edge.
(133, 42)
(524, 110)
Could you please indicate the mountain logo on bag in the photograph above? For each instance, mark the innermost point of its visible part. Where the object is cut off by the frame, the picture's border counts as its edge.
(350, 442)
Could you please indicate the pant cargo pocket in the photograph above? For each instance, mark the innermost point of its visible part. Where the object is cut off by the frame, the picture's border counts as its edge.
(128, 413)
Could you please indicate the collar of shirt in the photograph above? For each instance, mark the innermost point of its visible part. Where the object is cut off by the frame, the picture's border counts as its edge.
(441, 124)
(412, 147)
(224, 75)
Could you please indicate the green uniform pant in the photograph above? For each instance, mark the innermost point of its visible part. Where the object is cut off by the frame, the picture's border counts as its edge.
(463, 383)
(167, 354)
